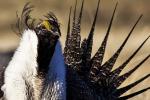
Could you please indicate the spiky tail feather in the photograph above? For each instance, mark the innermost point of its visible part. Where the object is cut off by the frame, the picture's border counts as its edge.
(87, 78)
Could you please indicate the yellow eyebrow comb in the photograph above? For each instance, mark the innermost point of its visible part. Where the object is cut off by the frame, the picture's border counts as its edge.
(47, 25)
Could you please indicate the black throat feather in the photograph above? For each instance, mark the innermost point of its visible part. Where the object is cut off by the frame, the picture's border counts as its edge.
(45, 53)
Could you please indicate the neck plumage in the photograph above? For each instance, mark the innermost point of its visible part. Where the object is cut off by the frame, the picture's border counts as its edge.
(20, 73)
(56, 86)
(21, 81)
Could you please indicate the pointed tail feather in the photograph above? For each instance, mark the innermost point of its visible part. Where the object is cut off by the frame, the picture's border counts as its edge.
(117, 71)
(73, 58)
(98, 57)
(78, 25)
(68, 29)
(133, 94)
(126, 88)
(67, 42)
(84, 45)
(73, 50)
(80, 15)
(84, 49)
(68, 39)
(76, 38)
(90, 37)
(87, 50)
(96, 76)
(117, 82)
(107, 66)
(74, 17)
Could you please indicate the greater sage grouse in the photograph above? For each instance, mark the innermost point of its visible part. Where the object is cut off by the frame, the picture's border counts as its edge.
(40, 71)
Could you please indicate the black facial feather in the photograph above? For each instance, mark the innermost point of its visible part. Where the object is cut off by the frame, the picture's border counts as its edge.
(52, 19)
(46, 47)
(47, 41)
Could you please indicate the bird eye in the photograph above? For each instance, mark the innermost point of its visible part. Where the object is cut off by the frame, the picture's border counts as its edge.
(54, 29)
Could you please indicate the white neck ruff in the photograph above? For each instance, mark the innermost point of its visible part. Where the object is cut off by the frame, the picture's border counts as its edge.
(22, 67)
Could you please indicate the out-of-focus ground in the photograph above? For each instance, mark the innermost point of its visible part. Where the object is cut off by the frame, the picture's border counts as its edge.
(127, 13)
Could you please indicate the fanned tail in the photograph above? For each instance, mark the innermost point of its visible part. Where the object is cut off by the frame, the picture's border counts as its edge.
(86, 46)
(68, 36)
(73, 50)
(98, 57)
(87, 78)
(107, 66)
(126, 88)
(133, 94)
(119, 80)
(116, 72)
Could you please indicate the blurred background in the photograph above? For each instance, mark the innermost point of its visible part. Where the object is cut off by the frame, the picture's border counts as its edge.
(127, 13)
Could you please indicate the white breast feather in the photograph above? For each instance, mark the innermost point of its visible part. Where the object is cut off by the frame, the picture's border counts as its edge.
(22, 66)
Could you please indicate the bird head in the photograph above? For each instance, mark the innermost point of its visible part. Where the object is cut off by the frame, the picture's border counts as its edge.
(48, 33)
(48, 30)
(34, 54)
